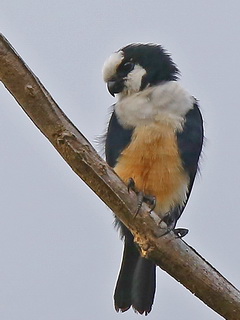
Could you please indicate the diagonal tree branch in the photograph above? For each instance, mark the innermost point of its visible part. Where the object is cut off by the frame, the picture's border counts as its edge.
(173, 255)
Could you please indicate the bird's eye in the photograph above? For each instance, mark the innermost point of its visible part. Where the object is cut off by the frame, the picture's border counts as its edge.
(127, 66)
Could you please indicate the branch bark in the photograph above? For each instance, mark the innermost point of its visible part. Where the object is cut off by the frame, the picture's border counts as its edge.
(173, 255)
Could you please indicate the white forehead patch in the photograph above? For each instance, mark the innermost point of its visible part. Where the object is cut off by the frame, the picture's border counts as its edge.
(111, 64)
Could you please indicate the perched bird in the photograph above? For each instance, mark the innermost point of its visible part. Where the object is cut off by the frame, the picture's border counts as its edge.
(154, 138)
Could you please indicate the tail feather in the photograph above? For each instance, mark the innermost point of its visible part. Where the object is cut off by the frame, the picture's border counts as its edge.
(122, 295)
(136, 281)
(143, 285)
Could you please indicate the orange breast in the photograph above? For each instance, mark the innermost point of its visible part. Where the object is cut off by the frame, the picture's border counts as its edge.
(153, 161)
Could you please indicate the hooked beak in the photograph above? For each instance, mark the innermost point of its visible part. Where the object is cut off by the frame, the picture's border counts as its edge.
(115, 86)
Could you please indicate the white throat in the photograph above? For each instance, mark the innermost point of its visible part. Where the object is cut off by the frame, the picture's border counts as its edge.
(165, 102)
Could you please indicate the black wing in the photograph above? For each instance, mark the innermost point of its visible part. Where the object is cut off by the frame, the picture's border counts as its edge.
(190, 141)
(116, 140)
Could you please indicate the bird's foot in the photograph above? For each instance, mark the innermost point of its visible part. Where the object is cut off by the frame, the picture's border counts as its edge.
(142, 197)
(168, 223)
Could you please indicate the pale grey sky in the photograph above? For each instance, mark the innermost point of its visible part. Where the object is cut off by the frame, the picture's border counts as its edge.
(59, 253)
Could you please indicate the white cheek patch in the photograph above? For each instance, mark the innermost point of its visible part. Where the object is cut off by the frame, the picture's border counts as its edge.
(111, 64)
(134, 79)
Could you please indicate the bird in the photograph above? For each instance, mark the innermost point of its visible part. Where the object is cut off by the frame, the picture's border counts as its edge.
(154, 141)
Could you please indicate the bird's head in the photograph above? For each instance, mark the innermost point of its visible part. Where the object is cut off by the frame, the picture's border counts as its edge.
(136, 67)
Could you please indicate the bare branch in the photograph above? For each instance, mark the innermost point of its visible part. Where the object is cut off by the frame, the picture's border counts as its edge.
(172, 255)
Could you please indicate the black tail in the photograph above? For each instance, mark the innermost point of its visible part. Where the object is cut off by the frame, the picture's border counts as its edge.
(136, 281)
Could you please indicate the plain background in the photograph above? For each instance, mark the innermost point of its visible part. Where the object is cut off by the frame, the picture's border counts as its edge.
(59, 252)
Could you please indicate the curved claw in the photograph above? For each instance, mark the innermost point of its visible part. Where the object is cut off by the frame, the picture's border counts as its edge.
(169, 220)
(131, 185)
(140, 196)
(152, 203)
(180, 232)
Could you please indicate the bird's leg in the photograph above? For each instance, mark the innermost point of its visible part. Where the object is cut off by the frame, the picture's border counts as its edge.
(142, 197)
